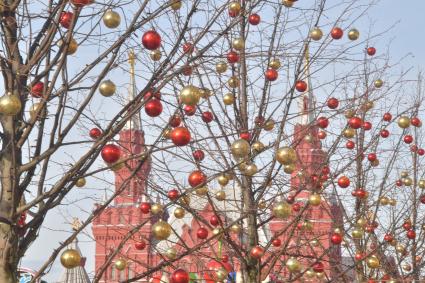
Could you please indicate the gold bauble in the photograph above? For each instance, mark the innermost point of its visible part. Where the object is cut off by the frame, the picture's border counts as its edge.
(316, 34)
(238, 43)
(155, 55)
(10, 105)
(373, 262)
(407, 267)
(72, 46)
(35, 109)
(421, 184)
(375, 163)
(403, 122)
(320, 275)
(216, 231)
(111, 19)
(314, 199)
(314, 243)
(384, 201)
(121, 264)
(282, 210)
(275, 64)
(262, 204)
(251, 169)
(190, 95)
(107, 88)
(235, 228)
(235, 7)
(404, 174)
(202, 191)
(400, 248)
(289, 168)
(353, 34)
(393, 202)
(310, 273)
(269, 125)
(407, 181)
(240, 148)
(293, 265)
(70, 258)
(184, 200)
(176, 4)
(161, 230)
(221, 274)
(171, 253)
(156, 208)
(378, 83)
(357, 233)
(221, 67)
(220, 195)
(242, 166)
(288, 3)
(81, 182)
(286, 155)
(349, 133)
(349, 113)
(233, 82)
(257, 146)
(228, 99)
(361, 222)
(223, 180)
(337, 231)
(369, 105)
(179, 212)
(308, 138)
(307, 225)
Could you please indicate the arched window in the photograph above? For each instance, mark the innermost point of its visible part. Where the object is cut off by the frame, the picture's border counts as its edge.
(130, 272)
(122, 275)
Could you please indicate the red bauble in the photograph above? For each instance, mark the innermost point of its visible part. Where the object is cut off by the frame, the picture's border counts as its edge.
(388, 238)
(387, 117)
(246, 136)
(233, 14)
(296, 207)
(259, 121)
(189, 110)
(271, 75)
(359, 256)
(202, 233)
(111, 153)
(188, 47)
(257, 252)
(407, 225)
(150, 93)
(322, 122)
(422, 199)
(254, 19)
(95, 133)
(350, 145)
(140, 245)
(371, 51)
(321, 135)
(198, 155)
(179, 276)
(197, 178)
(385, 133)
(336, 238)
(408, 139)
(175, 121)
(214, 221)
(318, 267)
(225, 258)
(326, 170)
(355, 122)
(337, 33)
(207, 116)
(153, 107)
(81, 3)
(415, 121)
(173, 194)
(411, 234)
(187, 70)
(276, 242)
(421, 151)
(290, 199)
(333, 103)
(151, 40)
(343, 182)
(301, 86)
(66, 19)
(212, 267)
(367, 126)
(232, 57)
(37, 90)
(360, 193)
(180, 136)
(145, 207)
(371, 157)
(399, 183)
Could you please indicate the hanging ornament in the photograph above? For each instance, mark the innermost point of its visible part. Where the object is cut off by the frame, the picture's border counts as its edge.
(257, 146)
(176, 4)
(275, 64)
(111, 153)
(202, 191)
(353, 34)
(70, 258)
(72, 46)
(349, 133)
(180, 136)
(378, 83)
(81, 182)
(157, 208)
(81, 3)
(371, 51)
(355, 122)
(234, 8)
(189, 110)
(228, 99)
(179, 213)
(197, 178)
(286, 155)
(240, 148)
(301, 86)
(254, 19)
(333, 103)
(232, 57)
(155, 55)
(145, 207)
(198, 155)
(121, 264)
(403, 122)
(238, 43)
(65, 19)
(288, 3)
(37, 90)
(223, 180)
(322, 122)
(202, 233)
(337, 33)
(95, 133)
(161, 230)
(251, 169)
(140, 245)
(153, 107)
(10, 105)
(188, 48)
(281, 210)
(373, 262)
(175, 121)
(336, 238)
(179, 276)
(314, 199)
(221, 67)
(293, 265)
(111, 19)
(207, 117)
(343, 182)
(190, 95)
(151, 40)
(107, 88)
(316, 34)
(271, 75)
(257, 252)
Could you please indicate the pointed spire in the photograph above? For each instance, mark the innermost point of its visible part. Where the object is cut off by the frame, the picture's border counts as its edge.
(134, 123)
(306, 101)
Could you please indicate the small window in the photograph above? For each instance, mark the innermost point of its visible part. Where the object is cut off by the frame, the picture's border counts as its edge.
(113, 273)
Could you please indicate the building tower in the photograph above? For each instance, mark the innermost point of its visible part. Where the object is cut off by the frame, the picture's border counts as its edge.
(114, 223)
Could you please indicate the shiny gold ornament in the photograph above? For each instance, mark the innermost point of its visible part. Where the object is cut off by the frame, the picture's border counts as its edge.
(375, 163)
(421, 184)
(156, 208)
(407, 267)
(384, 201)
(155, 55)
(70, 258)
(262, 204)
(238, 43)
(286, 155)
(223, 180)
(34, 110)
(349, 113)
(281, 210)
(167, 133)
(235, 7)
(111, 19)
(257, 146)
(10, 105)
(220, 195)
(314, 199)
(81, 182)
(176, 4)
(202, 191)
(121, 264)
(240, 148)
(251, 169)
(403, 122)
(275, 64)
(179, 212)
(107, 88)
(289, 168)
(221, 274)
(337, 231)
(314, 243)
(393, 202)
(353, 34)
(400, 248)
(378, 83)
(308, 138)
(161, 230)
(235, 228)
(72, 46)
(293, 265)
(373, 262)
(242, 166)
(357, 233)
(349, 133)
(361, 222)
(404, 174)
(233, 82)
(221, 67)
(269, 125)
(320, 275)
(307, 225)
(310, 273)
(190, 95)
(171, 253)
(316, 34)
(407, 181)
(228, 99)
(288, 3)
(216, 231)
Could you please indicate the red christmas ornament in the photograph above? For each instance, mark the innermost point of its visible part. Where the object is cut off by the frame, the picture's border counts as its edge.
(367, 126)
(140, 245)
(202, 233)
(257, 252)
(246, 136)
(321, 135)
(173, 194)
(290, 199)
(296, 207)
(151, 40)
(198, 155)
(360, 193)
(333, 103)
(188, 47)
(422, 199)
(337, 33)
(153, 107)
(343, 182)
(421, 151)
(254, 19)
(37, 90)
(387, 117)
(371, 157)
(415, 121)
(207, 116)
(276, 242)
(371, 51)
(65, 19)
(318, 267)
(145, 207)
(399, 183)
(81, 3)
(179, 276)
(271, 75)
(187, 70)
(214, 221)
(411, 234)
(359, 256)
(111, 153)
(180, 136)
(95, 133)
(355, 122)
(259, 121)
(212, 267)
(407, 225)
(232, 57)
(408, 139)
(148, 95)
(301, 86)
(322, 122)
(326, 170)
(197, 178)
(388, 238)
(224, 258)
(350, 145)
(336, 238)
(385, 133)
(189, 110)
(175, 121)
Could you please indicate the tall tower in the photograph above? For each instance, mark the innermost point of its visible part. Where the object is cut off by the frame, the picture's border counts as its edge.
(114, 223)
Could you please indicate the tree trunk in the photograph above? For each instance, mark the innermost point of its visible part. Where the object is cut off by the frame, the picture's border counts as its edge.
(8, 248)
